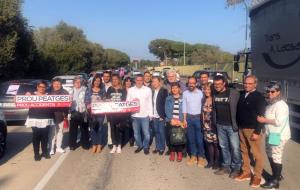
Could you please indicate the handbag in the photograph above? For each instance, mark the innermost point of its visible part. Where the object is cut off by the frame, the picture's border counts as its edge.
(177, 136)
(77, 116)
(275, 138)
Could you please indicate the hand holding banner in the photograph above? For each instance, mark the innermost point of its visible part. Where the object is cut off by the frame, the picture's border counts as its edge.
(115, 107)
(45, 101)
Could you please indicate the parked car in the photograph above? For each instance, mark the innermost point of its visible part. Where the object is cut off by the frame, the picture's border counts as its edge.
(212, 74)
(3, 134)
(8, 90)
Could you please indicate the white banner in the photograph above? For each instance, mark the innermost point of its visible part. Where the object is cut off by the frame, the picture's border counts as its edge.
(115, 107)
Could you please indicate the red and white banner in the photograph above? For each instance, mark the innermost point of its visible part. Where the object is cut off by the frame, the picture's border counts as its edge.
(45, 101)
(115, 107)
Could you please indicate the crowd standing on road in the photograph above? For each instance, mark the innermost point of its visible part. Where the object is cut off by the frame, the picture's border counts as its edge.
(215, 126)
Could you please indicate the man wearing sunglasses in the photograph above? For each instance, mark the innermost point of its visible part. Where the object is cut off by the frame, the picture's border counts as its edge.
(251, 105)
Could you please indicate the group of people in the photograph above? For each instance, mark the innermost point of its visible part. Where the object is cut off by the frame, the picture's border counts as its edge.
(216, 126)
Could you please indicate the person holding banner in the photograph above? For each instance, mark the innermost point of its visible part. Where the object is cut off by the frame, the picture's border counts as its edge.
(56, 131)
(95, 94)
(141, 119)
(117, 121)
(128, 83)
(39, 119)
(78, 115)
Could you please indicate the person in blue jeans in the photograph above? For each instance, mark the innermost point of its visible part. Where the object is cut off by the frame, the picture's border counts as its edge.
(191, 108)
(140, 120)
(98, 131)
(159, 96)
(225, 106)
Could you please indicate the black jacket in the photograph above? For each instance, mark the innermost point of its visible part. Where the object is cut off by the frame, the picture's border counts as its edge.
(249, 108)
(234, 96)
(160, 102)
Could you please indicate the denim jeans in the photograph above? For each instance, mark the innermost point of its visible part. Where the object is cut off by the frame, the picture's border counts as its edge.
(160, 136)
(98, 134)
(195, 136)
(141, 124)
(230, 147)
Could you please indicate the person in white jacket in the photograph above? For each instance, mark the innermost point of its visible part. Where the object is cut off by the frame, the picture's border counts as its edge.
(140, 120)
(276, 120)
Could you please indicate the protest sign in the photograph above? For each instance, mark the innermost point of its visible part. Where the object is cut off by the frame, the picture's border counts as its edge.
(45, 101)
(115, 107)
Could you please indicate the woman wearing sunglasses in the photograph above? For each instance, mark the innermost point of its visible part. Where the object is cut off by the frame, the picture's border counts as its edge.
(276, 121)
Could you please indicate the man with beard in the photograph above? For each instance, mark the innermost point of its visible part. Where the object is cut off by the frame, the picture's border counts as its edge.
(191, 109)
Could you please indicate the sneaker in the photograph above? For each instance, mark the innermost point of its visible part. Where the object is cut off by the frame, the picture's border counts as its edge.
(52, 152)
(60, 150)
(255, 182)
(234, 173)
(119, 149)
(222, 171)
(201, 162)
(161, 152)
(243, 177)
(113, 150)
(155, 151)
(192, 161)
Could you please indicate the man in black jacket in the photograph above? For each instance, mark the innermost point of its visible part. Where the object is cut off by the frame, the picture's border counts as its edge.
(225, 106)
(159, 96)
(251, 105)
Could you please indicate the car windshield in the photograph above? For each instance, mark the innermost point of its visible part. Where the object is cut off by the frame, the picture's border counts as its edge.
(10, 89)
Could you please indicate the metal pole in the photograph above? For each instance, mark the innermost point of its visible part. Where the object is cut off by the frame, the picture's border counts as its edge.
(246, 31)
(184, 52)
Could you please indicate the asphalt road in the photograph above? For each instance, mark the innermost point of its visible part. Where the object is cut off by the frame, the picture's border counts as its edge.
(80, 170)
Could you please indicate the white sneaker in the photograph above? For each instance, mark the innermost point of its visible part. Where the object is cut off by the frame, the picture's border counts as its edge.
(113, 150)
(52, 152)
(60, 150)
(119, 150)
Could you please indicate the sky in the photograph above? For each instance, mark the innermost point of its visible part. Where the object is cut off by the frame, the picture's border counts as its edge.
(130, 25)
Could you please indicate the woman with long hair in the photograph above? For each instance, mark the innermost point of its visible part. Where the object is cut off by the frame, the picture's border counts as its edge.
(209, 128)
(96, 93)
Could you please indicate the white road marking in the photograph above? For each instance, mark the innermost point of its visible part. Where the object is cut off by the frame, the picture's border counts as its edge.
(43, 182)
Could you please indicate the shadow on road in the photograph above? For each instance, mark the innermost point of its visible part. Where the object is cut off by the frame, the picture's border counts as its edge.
(16, 142)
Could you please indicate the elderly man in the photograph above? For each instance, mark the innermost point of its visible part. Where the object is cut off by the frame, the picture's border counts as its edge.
(251, 105)
(171, 78)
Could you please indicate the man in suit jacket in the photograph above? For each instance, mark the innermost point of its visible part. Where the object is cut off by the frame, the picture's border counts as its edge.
(159, 96)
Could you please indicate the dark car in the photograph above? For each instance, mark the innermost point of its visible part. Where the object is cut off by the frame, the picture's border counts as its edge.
(8, 90)
(212, 74)
(3, 134)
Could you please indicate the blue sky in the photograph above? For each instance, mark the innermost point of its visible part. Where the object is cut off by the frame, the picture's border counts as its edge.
(129, 25)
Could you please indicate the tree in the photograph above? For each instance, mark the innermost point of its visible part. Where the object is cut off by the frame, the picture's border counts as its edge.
(66, 50)
(17, 49)
(195, 53)
(115, 58)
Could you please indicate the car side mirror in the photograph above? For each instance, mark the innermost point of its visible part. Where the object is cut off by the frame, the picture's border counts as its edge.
(236, 67)
(236, 60)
